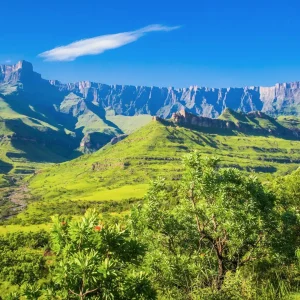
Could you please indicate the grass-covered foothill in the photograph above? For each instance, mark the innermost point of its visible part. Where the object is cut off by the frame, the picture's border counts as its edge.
(124, 170)
(216, 233)
(289, 121)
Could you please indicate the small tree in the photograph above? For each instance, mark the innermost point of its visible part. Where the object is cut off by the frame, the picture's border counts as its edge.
(233, 212)
(221, 221)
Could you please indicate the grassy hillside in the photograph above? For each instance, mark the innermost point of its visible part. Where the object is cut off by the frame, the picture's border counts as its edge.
(255, 121)
(289, 121)
(39, 128)
(123, 171)
(129, 124)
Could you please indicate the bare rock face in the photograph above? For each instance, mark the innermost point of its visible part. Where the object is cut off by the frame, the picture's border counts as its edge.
(207, 102)
(133, 100)
(283, 98)
(20, 72)
(184, 118)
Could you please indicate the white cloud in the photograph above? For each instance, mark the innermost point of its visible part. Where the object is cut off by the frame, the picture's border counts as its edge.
(100, 44)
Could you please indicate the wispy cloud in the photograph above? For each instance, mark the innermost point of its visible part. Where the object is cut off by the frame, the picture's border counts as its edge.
(100, 44)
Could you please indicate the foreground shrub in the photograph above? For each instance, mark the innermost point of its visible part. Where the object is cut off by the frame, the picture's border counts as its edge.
(212, 240)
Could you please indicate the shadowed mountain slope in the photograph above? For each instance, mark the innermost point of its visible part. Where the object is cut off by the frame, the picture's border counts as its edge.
(40, 124)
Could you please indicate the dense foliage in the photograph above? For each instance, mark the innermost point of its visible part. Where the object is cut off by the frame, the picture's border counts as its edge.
(21, 257)
(97, 260)
(225, 236)
(214, 234)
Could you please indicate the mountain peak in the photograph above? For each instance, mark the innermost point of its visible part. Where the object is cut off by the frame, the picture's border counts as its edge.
(24, 65)
(22, 72)
(21, 64)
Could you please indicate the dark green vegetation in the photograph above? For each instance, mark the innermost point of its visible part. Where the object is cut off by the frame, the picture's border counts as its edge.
(216, 233)
(79, 260)
(221, 235)
(22, 259)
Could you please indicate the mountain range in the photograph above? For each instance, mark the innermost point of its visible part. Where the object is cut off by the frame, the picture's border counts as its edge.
(45, 121)
(282, 98)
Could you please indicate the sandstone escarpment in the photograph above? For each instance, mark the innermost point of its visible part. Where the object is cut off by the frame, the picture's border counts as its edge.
(20, 72)
(162, 101)
(208, 102)
(184, 118)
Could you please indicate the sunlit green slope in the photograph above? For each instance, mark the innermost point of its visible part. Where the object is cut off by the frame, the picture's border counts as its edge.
(257, 121)
(123, 171)
(292, 122)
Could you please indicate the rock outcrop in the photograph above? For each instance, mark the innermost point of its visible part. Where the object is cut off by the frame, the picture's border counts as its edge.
(20, 72)
(118, 138)
(184, 118)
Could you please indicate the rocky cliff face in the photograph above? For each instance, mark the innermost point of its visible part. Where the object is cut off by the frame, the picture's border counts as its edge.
(283, 98)
(132, 100)
(22, 72)
(184, 118)
(30, 84)
(208, 102)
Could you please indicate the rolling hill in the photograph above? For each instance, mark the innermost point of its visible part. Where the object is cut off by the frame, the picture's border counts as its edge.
(119, 174)
(46, 126)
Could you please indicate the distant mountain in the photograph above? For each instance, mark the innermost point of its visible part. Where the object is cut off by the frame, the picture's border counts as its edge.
(40, 124)
(64, 120)
(281, 99)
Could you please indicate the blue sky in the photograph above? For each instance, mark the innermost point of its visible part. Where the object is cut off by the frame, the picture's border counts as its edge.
(220, 43)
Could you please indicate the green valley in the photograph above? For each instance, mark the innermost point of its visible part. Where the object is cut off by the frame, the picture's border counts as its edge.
(122, 172)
